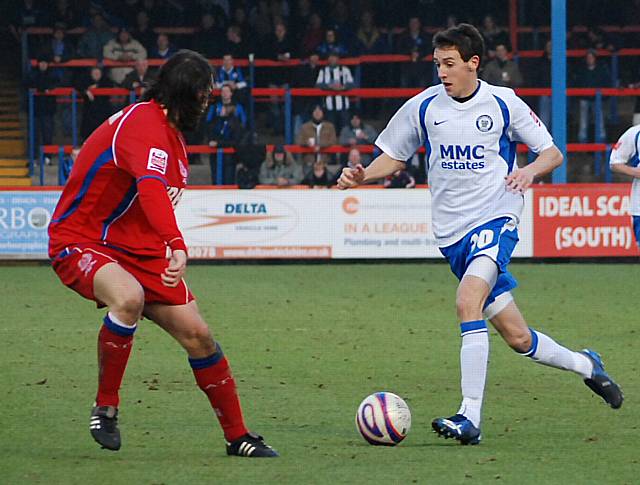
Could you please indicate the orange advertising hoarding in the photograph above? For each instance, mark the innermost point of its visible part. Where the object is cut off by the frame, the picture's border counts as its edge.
(578, 220)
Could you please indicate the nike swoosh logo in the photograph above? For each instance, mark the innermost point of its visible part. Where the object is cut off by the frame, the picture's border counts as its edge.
(436, 123)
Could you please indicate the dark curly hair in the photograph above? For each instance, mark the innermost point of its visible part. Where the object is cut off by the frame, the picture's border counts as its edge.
(182, 87)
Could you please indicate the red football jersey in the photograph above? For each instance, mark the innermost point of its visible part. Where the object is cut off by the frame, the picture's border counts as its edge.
(124, 185)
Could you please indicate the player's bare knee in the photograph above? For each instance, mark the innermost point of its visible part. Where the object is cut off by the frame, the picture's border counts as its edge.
(519, 341)
(198, 339)
(129, 305)
(468, 306)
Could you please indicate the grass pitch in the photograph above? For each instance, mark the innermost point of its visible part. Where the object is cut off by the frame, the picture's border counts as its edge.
(307, 343)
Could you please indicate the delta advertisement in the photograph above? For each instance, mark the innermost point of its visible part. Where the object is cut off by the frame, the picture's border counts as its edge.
(558, 221)
(315, 224)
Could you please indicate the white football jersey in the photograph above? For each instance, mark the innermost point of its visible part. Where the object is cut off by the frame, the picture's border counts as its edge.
(627, 150)
(471, 147)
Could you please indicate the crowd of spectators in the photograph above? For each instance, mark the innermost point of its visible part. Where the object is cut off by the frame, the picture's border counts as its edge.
(320, 33)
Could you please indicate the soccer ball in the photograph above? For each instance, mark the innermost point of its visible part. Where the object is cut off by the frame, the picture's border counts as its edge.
(383, 419)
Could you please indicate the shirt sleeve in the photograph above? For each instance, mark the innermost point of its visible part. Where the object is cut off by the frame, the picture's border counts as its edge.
(140, 150)
(526, 127)
(157, 207)
(625, 148)
(404, 133)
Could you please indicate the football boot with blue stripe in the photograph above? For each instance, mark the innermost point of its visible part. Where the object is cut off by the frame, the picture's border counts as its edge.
(457, 427)
(601, 383)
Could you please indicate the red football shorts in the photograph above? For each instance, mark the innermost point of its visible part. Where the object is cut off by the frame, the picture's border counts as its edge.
(76, 267)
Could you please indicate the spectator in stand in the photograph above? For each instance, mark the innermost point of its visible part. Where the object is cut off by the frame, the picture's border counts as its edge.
(268, 171)
(246, 177)
(123, 48)
(493, 36)
(58, 49)
(225, 130)
(590, 74)
(304, 76)
(92, 42)
(369, 39)
(416, 73)
(502, 71)
(400, 179)
(280, 168)
(313, 35)
(236, 45)
(340, 20)
(281, 49)
(331, 44)
(96, 108)
(43, 79)
(143, 31)
(164, 48)
(206, 40)
(412, 38)
(140, 78)
(26, 15)
(317, 133)
(300, 22)
(229, 75)
(336, 77)
(541, 78)
(358, 133)
(319, 176)
(289, 172)
(281, 46)
(63, 14)
(260, 19)
(218, 109)
(239, 19)
(593, 38)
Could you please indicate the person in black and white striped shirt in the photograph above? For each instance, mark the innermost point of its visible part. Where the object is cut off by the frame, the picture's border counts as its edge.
(337, 78)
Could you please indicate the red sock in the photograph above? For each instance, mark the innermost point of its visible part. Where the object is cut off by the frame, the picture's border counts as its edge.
(217, 383)
(113, 354)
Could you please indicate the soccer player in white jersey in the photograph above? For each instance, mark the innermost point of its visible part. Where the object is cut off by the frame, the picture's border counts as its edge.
(625, 159)
(470, 129)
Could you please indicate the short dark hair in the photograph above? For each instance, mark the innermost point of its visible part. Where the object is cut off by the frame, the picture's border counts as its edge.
(464, 37)
(182, 86)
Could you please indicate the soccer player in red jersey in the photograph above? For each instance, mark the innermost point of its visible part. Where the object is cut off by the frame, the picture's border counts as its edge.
(114, 240)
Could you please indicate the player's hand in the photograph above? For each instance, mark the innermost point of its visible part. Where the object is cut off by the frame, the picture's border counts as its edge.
(175, 271)
(519, 180)
(351, 177)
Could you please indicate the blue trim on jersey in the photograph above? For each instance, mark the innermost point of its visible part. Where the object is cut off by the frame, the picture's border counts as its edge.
(423, 109)
(475, 326)
(635, 160)
(204, 362)
(534, 344)
(104, 158)
(636, 228)
(507, 147)
(123, 206)
(119, 329)
(157, 177)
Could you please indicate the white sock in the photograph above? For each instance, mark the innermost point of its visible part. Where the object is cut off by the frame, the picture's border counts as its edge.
(474, 355)
(547, 351)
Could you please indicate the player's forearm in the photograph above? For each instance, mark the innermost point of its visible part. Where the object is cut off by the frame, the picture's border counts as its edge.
(546, 162)
(625, 169)
(158, 209)
(382, 166)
